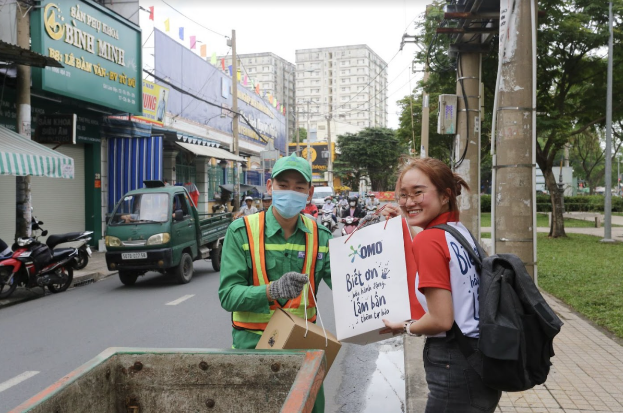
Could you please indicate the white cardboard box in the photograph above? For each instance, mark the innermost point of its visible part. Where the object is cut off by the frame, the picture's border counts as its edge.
(369, 281)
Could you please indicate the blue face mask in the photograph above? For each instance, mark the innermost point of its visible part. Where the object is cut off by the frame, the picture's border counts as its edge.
(288, 203)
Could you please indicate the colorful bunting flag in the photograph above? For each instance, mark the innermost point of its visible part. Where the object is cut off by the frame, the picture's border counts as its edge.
(238, 75)
(193, 42)
(181, 33)
(245, 80)
(167, 25)
(270, 99)
(284, 110)
(274, 103)
(202, 50)
(213, 59)
(151, 16)
(223, 64)
(258, 88)
(230, 69)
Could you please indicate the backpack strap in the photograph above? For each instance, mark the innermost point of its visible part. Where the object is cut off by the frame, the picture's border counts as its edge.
(474, 357)
(477, 258)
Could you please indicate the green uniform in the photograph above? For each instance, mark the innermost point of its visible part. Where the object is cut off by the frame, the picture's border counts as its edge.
(237, 292)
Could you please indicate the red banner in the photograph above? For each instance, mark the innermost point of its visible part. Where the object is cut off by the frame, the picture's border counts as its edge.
(387, 196)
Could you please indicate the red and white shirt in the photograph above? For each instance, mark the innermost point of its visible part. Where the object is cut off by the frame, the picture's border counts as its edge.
(441, 262)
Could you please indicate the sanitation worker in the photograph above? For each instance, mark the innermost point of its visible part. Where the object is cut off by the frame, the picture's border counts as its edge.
(268, 258)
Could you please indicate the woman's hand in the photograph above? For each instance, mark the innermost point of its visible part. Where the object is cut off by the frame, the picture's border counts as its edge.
(390, 211)
(394, 328)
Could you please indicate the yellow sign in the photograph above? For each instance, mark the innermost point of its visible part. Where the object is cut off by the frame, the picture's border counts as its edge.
(154, 103)
(304, 154)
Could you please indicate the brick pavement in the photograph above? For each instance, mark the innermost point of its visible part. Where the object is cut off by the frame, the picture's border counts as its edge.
(586, 375)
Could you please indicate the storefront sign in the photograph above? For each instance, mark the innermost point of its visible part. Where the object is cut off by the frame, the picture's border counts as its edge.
(100, 52)
(56, 129)
(319, 156)
(154, 103)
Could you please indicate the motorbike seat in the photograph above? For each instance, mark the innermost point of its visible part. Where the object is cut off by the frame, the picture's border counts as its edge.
(61, 253)
(54, 240)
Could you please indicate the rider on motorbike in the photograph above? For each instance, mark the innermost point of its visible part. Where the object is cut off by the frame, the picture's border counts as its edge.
(354, 209)
(371, 200)
(328, 206)
(310, 209)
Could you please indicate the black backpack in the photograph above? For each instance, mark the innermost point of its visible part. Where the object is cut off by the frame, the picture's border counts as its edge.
(516, 325)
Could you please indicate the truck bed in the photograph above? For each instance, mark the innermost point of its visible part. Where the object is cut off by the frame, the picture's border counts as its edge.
(143, 380)
(213, 226)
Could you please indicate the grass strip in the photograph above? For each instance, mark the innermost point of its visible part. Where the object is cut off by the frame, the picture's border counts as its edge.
(542, 221)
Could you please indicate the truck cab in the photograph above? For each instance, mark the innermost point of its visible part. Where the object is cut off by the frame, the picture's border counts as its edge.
(158, 228)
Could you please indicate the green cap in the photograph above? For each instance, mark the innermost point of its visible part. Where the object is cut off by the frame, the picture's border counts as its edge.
(295, 163)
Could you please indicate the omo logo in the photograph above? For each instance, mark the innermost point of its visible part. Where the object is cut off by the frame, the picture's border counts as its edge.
(365, 251)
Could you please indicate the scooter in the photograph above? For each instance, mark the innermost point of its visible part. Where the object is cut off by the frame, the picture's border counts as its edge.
(36, 264)
(328, 221)
(350, 224)
(82, 238)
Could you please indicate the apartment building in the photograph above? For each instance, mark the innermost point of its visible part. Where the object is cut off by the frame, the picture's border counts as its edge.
(276, 77)
(344, 87)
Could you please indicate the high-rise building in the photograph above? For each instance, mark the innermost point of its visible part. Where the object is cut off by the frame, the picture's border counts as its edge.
(344, 87)
(276, 77)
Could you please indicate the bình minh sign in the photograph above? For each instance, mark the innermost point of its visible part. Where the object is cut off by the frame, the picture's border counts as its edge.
(100, 52)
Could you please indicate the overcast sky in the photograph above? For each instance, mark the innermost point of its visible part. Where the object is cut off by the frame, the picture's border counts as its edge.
(283, 26)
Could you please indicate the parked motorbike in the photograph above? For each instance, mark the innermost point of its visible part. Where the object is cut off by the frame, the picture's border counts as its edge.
(328, 221)
(34, 263)
(82, 238)
(350, 224)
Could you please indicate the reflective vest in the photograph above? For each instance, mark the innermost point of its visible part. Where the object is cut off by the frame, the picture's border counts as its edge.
(255, 225)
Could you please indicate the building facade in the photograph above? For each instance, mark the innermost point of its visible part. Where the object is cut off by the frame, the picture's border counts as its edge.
(346, 85)
(275, 75)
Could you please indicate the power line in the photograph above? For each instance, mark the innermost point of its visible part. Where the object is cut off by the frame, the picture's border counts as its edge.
(188, 18)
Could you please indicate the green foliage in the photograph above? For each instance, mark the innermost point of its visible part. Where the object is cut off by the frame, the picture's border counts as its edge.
(372, 153)
(303, 134)
(585, 274)
(580, 203)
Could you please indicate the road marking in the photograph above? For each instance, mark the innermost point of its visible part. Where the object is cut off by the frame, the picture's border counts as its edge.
(179, 300)
(17, 380)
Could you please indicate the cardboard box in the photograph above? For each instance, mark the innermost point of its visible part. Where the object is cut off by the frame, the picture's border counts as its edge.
(286, 331)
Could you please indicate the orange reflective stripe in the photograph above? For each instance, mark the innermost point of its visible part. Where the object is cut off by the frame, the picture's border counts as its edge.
(251, 326)
(257, 248)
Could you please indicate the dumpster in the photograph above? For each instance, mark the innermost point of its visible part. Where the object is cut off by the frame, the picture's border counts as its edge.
(143, 380)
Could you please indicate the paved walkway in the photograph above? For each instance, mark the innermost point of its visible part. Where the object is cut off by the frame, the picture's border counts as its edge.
(586, 375)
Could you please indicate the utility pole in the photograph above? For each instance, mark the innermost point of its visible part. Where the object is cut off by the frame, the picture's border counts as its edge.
(424, 125)
(330, 173)
(513, 192)
(469, 136)
(308, 134)
(297, 131)
(608, 155)
(22, 188)
(236, 181)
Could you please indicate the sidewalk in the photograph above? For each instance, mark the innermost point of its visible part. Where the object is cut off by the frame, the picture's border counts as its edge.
(94, 271)
(586, 375)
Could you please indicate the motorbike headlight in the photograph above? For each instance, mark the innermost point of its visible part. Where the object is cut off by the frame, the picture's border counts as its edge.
(158, 239)
(112, 241)
(22, 242)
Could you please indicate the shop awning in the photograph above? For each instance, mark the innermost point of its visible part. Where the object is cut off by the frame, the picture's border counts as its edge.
(211, 152)
(15, 54)
(20, 156)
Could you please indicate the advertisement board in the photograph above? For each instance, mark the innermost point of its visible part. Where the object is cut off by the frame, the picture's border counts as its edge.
(318, 155)
(100, 52)
(210, 95)
(154, 103)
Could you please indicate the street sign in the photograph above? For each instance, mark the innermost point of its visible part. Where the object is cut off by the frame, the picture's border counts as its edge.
(56, 129)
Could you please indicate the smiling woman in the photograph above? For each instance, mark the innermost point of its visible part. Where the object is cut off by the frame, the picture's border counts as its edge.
(446, 288)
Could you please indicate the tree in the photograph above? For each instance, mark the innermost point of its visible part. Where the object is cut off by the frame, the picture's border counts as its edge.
(303, 134)
(372, 153)
(571, 79)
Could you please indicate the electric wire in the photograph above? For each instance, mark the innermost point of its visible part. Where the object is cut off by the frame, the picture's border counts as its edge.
(188, 18)
(460, 72)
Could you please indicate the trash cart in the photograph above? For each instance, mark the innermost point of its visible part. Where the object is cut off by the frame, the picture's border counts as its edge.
(144, 380)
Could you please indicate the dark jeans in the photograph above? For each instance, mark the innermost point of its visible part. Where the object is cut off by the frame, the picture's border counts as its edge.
(453, 385)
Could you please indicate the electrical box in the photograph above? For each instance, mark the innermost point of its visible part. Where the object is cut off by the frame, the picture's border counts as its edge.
(447, 114)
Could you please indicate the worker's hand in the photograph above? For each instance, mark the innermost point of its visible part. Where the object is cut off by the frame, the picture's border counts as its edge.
(288, 286)
(394, 328)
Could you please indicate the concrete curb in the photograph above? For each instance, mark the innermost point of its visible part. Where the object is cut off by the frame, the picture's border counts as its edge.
(416, 389)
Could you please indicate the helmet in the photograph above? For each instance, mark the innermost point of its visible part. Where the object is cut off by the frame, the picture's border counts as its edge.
(248, 198)
(328, 198)
(266, 197)
(370, 194)
(353, 199)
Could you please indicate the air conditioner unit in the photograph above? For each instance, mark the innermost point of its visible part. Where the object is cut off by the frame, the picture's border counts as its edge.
(447, 114)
